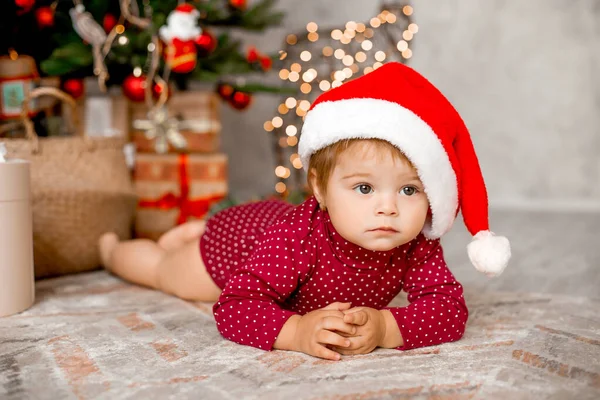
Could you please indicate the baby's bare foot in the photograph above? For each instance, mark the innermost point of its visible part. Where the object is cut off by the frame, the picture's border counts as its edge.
(106, 245)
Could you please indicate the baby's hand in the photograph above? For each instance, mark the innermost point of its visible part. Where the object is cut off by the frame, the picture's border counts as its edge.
(370, 330)
(321, 329)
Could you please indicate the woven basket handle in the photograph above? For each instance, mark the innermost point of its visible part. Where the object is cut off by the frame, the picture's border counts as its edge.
(43, 91)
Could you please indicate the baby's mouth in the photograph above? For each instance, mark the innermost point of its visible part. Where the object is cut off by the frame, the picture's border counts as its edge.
(384, 229)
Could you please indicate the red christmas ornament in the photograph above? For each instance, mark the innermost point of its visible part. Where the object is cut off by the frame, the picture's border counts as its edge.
(239, 4)
(206, 43)
(109, 22)
(241, 100)
(256, 57)
(266, 63)
(180, 34)
(134, 87)
(44, 17)
(181, 55)
(225, 91)
(74, 87)
(26, 5)
(252, 55)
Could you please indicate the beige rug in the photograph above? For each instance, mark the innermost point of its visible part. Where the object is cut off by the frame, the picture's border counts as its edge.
(92, 336)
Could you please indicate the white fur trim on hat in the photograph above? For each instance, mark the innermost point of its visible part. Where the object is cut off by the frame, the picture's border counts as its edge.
(331, 121)
(489, 253)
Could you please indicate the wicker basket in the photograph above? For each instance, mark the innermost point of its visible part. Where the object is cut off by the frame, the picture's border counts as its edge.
(81, 187)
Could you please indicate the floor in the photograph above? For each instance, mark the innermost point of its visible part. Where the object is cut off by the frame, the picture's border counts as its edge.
(533, 333)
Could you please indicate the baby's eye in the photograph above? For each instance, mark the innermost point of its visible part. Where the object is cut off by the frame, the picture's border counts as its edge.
(409, 190)
(363, 189)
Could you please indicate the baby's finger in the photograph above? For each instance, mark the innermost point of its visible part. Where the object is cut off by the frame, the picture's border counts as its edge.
(338, 306)
(356, 344)
(345, 352)
(353, 310)
(328, 354)
(337, 324)
(328, 337)
(356, 318)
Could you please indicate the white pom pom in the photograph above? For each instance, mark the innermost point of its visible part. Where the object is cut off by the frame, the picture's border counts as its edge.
(489, 253)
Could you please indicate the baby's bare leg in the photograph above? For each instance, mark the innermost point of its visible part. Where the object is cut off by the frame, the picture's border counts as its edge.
(179, 272)
(181, 234)
(183, 274)
(133, 260)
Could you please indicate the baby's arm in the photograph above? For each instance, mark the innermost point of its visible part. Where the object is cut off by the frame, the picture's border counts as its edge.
(249, 309)
(437, 312)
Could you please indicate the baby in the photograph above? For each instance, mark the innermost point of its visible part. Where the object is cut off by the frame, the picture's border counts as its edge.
(390, 164)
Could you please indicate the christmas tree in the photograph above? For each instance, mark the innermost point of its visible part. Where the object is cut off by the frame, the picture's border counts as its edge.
(118, 41)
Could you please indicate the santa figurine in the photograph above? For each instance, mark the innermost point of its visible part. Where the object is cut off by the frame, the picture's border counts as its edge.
(179, 34)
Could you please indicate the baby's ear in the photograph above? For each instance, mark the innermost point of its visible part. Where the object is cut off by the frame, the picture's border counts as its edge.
(313, 182)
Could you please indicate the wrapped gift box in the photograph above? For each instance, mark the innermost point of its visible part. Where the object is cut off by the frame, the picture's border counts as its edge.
(173, 188)
(18, 77)
(198, 119)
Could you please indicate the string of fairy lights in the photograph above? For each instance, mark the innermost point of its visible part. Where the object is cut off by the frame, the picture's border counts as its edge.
(318, 61)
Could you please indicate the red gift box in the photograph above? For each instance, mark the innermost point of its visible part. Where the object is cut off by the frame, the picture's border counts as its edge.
(173, 188)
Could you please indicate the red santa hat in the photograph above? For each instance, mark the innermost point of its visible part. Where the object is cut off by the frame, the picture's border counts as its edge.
(186, 8)
(397, 104)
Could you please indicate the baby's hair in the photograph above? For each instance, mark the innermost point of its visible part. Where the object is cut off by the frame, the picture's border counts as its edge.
(323, 161)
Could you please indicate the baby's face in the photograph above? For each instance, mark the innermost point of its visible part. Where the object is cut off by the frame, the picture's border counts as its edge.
(375, 199)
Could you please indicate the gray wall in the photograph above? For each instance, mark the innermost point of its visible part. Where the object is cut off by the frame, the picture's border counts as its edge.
(523, 74)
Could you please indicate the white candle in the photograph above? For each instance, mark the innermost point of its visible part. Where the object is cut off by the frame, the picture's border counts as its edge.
(17, 279)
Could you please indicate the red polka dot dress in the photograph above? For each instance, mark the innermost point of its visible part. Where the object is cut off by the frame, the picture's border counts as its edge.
(274, 260)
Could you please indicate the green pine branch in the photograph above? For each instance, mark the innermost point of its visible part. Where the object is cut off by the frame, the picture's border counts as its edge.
(67, 59)
(217, 13)
(225, 59)
(256, 18)
(72, 55)
(261, 17)
(262, 88)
